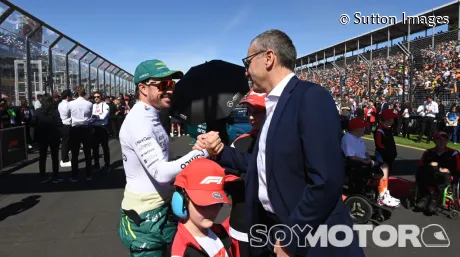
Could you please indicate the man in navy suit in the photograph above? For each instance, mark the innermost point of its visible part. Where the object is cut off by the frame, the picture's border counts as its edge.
(295, 174)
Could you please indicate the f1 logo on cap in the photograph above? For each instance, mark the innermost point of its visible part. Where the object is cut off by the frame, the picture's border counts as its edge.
(212, 179)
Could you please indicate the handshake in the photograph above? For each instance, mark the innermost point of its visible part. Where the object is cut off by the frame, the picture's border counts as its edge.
(209, 141)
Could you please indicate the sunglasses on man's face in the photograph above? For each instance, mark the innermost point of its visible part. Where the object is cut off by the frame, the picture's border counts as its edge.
(166, 85)
(97, 97)
(247, 60)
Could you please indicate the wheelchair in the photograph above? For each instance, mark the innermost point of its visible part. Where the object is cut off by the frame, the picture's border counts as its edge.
(450, 201)
(360, 195)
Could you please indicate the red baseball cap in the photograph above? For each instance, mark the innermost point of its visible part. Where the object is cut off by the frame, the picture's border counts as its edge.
(255, 99)
(441, 134)
(389, 114)
(203, 180)
(356, 123)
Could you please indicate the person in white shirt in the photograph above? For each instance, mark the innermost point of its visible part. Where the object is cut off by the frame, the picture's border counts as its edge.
(428, 123)
(295, 173)
(100, 131)
(355, 151)
(37, 103)
(405, 116)
(64, 113)
(81, 111)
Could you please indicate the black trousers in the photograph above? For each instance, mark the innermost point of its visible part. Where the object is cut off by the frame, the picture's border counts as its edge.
(429, 126)
(80, 135)
(43, 152)
(405, 127)
(116, 125)
(431, 177)
(28, 137)
(65, 136)
(101, 137)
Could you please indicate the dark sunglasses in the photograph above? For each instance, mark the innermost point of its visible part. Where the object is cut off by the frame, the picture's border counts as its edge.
(97, 96)
(247, 60)
(166, 85)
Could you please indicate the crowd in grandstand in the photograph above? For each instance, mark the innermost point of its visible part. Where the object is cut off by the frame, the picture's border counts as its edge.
(440, 71)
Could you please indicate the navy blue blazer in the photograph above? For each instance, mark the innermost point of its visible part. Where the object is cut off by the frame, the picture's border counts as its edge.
(304, 167)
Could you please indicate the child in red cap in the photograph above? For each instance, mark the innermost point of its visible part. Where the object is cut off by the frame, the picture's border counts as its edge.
(385, 146)
(197, 201)
(384, 141)
(356, 153)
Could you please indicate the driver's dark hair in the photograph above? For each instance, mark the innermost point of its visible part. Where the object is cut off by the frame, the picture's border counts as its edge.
(136, 92)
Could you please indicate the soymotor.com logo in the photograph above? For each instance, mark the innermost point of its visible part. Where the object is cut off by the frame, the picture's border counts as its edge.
(432, 235)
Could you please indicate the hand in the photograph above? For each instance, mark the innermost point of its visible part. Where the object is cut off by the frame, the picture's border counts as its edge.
(212, 142)
(279, 251)
(199, 144)
(444, 170)
(434, 164)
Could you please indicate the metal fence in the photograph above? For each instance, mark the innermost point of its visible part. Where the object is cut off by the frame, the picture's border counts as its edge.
(35, 58)
(388, 71)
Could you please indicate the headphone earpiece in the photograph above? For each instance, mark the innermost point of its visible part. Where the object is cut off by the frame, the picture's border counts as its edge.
(179, 205)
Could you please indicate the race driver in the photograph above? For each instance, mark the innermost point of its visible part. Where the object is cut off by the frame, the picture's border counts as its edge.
(146, 225)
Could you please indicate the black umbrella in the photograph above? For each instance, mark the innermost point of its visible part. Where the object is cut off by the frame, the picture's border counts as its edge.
(208, 92)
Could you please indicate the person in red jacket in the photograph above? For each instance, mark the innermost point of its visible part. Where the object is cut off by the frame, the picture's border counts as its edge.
(197, 201)
(369, 116)
(385, 146)
(245, 143)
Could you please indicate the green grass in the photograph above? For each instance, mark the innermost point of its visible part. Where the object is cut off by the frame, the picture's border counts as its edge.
(411, 142)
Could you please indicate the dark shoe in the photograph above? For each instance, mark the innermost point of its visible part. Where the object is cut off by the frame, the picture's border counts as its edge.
(422, 203)
(57, 180)
(418, 141)
(45, 180)
(96, 167)
(434, 203)
(89, 178)
(73, 180)
(107, 168)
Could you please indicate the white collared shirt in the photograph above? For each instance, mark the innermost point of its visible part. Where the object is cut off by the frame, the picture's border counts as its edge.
(101, 114)
(37, 104)
(64, 112)
(270, 103)
(80, 111)
(431, 109)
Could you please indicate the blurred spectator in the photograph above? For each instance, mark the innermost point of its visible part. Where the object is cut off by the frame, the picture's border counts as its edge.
(24, 118)
(116, 117)
(47, 125)
(37, 103)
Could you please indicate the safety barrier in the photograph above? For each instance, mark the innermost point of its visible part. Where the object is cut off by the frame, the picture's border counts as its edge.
(13, 146)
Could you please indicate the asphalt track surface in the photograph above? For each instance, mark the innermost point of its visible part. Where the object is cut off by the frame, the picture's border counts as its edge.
(81, 219)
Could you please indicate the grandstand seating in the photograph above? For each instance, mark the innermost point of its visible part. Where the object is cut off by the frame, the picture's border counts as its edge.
(436, 71)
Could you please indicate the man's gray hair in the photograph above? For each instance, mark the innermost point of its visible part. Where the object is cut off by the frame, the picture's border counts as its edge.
(280, 43)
